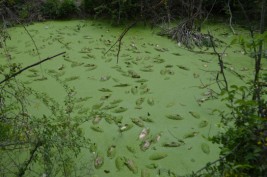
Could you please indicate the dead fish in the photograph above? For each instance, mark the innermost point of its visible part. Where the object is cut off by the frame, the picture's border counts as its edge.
(41, 79)
(72, 78)
(205, 148)
(203, 124)
(125, 127)
(152, 166)
(93, 147)
(111, 106)
(97, 106)
(96, 119)
(82, 99)
(194, 114)
(156, 138)
(138, 122)
(61, 67)
(90, 67)
(75, 64)
(144, 133)
(171, 144)
(145, 145)
(139, 101)
(117, 101)
(174, 117)
(131, 165)
(183, 67)
(118, 120)
(108, 119)
(119, 162)
(158, 156)
(141, 80)
(145, 173)
(104, 78)
(146, 118)
(190, 135)
(146, 69)
(168, 66)
(104, 90)
(121, 85)
(176, 54)
(134, 90)
(105, 97)
(150, 101)
(97, 128)
(99, 161)
(111, 151)
(120, 110)
(131, 149)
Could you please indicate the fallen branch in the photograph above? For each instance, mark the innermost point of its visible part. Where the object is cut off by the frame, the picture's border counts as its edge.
(119, 40)
(30, 66)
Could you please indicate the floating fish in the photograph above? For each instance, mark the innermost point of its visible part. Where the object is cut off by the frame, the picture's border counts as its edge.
(190, 135)
(119, 162)
(139, 101)
(145, 173)
(203, 124)
(183, 67)
(111, 106)
(152, 166)
(93, 147)
(194, 114)
(121, 85)
(117, 101)
(96, 119)
(146, 118)
(131, 165)
(141, 80)
(171, 144)
(158, 156)
(150, 101)
(138, 122)
(125, 127)
(90, 67)
(104, 78)
(205, 148)
(144, 133)
(108, 119)
(97, 106)
(33, 75)
(97, 128)
(118, 119)
(72, 78)
(99, 161)
(146, 69)
(111, 151)
(145, 145)
(176, 54)
(174, 117)
(41, 79)
(156, 138)
(134, 90)
(131, 149)
(105, 97)
(104, 90)
(120, 110)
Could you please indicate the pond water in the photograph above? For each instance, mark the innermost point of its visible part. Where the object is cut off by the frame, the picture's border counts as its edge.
(157, 87)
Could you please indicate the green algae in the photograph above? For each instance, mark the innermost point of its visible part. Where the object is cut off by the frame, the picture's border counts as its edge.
(168, 81)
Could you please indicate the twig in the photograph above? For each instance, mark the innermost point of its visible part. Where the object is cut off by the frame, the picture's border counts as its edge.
(231, 16)
(30, 66)
(119, 40)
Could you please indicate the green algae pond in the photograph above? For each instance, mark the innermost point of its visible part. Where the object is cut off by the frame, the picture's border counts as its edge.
(150, 113)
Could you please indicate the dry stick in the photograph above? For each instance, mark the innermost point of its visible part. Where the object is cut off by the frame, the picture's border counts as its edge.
(30, 66)
(231, 17)
(119, 40)
(221, 64)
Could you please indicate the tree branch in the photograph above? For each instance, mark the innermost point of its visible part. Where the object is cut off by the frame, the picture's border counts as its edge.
(30, 66)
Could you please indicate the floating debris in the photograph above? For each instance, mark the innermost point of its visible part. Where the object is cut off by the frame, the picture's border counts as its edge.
(171, 144)
(174, 117)
(119, 162)
(131, 165)
(72, 78)
(120, 110)
(144, 133)
(203, 124)
(111, 152)
(99, 161)
(97, 128)
(194, 114)
(205, 148)
(190, 135)
(158, 156)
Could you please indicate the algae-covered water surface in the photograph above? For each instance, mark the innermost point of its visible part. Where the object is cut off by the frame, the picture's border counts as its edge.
(150, 113)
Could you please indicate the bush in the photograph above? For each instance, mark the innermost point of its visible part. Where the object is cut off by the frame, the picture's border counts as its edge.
(50, 9)
(67, 9)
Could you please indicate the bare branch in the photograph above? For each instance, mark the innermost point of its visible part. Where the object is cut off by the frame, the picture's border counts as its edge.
(30, 66)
